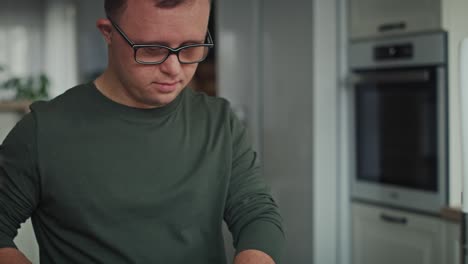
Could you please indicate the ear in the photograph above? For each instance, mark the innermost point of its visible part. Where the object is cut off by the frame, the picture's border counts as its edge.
(105, 27)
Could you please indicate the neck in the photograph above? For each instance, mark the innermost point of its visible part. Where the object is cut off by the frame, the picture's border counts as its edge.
(110, 86)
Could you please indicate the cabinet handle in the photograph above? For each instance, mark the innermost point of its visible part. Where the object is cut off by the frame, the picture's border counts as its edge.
(394, 219)
(392, 26)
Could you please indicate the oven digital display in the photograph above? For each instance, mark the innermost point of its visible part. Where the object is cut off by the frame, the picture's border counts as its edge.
(392, 52)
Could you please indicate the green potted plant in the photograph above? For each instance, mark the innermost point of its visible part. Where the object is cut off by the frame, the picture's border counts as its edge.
(28, 88)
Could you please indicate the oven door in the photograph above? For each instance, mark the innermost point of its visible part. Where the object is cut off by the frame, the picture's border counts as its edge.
(400, 135)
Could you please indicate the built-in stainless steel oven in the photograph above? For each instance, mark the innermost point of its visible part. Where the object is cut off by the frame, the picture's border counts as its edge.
(400, 121)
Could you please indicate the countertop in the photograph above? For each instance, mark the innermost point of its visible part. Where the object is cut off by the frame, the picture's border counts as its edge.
(15, 106)
(453, 214)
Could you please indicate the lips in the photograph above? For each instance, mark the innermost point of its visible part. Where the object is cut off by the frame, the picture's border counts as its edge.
(166, 87)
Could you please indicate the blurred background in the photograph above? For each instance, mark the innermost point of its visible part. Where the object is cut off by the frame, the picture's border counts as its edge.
(322, 87)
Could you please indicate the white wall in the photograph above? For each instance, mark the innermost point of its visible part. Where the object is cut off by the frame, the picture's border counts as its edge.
(38, 36)
(328, 210)
(21, 36)
(60, 49)
(92, 48)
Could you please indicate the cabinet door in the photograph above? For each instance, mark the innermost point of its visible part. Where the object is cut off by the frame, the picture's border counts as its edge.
(387, 236)
(453, 243)
(371, 18)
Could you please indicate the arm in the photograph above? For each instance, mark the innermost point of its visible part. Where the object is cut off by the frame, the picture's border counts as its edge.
(18, 186)
(252, 257)
(251, 213)
(12, 256)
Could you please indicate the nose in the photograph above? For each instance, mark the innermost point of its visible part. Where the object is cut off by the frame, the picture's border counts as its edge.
(171, 66)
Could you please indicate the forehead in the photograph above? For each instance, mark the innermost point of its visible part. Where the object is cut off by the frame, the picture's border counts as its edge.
(144, 22)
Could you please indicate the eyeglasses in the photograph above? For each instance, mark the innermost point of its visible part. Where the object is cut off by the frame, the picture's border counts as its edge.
(157, 54)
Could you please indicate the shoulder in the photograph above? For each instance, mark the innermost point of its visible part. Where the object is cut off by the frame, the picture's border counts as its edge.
(205, 104)
(74, 97)
(201, 99)
(213, 109)
(64, 112)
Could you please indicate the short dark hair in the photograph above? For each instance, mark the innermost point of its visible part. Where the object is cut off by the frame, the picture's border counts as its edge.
(114, 8)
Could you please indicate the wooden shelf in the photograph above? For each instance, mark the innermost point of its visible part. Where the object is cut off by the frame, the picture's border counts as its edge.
(15, 106)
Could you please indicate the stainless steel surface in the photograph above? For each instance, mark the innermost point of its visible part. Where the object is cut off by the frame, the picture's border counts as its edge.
(237, 73)
(398, 76)
(442, 131)
(275, 89)
(429, 49)
(464, 240)
(287, 132)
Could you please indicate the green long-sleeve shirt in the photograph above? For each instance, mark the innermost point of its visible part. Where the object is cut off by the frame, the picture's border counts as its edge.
(107, 183)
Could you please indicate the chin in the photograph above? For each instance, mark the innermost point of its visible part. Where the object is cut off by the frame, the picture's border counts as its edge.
(154, 97)
(161, 100)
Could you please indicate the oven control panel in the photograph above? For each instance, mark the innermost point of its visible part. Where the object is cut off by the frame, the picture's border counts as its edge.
(392, 52)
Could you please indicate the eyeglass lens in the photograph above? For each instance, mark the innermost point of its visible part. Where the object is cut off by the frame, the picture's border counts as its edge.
(159, 54)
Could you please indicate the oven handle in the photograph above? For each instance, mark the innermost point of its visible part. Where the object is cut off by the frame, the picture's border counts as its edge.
(393, 219)
(390, 77)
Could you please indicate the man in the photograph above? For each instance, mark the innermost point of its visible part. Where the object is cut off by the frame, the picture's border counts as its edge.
(135, 168)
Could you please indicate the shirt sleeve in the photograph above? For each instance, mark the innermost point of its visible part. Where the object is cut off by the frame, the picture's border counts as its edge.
(251, 213)
(19, 191)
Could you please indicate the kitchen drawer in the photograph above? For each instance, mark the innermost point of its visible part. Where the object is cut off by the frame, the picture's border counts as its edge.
(388, 236)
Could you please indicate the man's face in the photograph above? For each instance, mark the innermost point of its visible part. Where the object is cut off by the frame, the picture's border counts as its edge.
(156, 85)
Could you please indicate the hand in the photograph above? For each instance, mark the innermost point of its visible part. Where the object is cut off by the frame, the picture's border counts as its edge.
(12, 256)
(253, 257)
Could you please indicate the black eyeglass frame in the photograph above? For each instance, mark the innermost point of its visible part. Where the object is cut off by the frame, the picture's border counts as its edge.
(135, 47)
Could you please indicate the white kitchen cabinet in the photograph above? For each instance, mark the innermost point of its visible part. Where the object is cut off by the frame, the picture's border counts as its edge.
(388, 236)
(453, 242)
(383, 17)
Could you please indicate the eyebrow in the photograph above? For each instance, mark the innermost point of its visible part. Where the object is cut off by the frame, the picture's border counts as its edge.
(163, 43)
